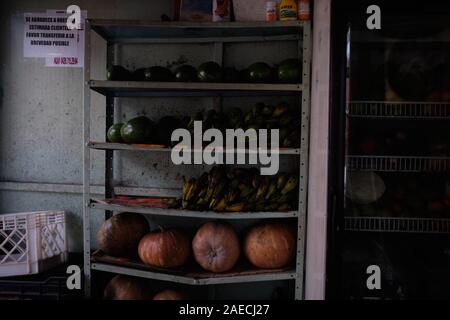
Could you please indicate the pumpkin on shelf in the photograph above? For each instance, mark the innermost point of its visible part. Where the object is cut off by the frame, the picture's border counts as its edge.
(170, 295)
(166, 249)
(270, 245)
(216, 247)
(120, 235)
(127, 288)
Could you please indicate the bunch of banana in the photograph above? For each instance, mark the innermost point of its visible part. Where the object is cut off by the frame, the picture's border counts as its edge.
(237, 190)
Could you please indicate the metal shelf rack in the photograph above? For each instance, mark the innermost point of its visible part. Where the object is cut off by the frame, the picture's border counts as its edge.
(391, 224)
(121, 32)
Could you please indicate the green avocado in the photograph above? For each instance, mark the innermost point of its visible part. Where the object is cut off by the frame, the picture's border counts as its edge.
(260, 72)
(138, 130)
(289, 71)
(158, 74)
(210, 72)
(114, 133)
(118, 73)
(186, 73)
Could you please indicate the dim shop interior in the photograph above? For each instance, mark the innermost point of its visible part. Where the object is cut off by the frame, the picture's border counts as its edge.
(88, 178)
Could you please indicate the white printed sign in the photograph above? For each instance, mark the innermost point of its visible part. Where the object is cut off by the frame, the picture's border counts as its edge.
(46, 36)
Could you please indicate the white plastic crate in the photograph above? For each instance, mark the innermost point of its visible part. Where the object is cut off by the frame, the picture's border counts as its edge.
(32, 242)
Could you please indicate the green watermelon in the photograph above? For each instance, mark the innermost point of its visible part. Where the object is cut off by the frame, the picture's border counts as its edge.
(138, 130)
(114, 134)
(186, 73)
(231, 75)
(118, 73)
(289, 71)
(210, 72)
(260, 72)
(157, 73)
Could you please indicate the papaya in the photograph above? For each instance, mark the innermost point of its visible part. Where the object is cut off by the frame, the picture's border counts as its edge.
(138, 130)
(260, 72)
(157, 73)
(289, 71)
(114, 134)
(210, 72)
(186, 73)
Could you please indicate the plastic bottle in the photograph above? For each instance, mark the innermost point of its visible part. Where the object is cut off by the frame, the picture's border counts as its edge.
(304, 10)
(288, 10)
(221, 10)
(271, 11)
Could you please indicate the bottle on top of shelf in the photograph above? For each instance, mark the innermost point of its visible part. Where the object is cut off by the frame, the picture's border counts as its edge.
(271, 11)
(221, 10)
(288, 10)
(304, 10)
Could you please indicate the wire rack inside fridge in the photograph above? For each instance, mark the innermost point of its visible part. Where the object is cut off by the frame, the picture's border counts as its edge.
(399, 110)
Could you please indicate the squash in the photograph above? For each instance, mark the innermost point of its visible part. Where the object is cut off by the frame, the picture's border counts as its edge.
(270, 245)
(120, 235)
(165, 249)
(170, 295)
(127, 288)
(216, 247)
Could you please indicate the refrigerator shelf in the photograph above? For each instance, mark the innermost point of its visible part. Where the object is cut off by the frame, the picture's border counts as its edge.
(399, 110)
(398, 163)
(391, 224)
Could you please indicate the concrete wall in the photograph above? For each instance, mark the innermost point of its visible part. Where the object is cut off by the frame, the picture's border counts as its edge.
(41, 112)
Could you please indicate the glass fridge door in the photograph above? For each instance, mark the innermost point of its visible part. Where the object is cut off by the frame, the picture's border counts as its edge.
(390, 225)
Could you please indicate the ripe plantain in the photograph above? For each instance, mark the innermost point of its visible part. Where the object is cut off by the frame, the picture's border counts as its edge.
(290, 185)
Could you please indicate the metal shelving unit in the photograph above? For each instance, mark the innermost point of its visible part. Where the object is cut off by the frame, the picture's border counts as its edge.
(392, 224)
(140, 32)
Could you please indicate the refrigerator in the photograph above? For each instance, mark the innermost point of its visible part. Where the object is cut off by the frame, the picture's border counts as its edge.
(389, 178)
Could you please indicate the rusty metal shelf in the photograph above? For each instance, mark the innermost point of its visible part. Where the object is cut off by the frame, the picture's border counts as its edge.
(135, 31)
(191, 274)
(190, 89)
(101, 205)
(149, 148)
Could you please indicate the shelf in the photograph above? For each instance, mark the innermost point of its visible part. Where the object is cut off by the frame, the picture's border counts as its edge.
(398, 164)
(95, 204)
(134, 31)
(399, 110)
(192, 275)
(149, 148)
(390, 224)
(190, 89)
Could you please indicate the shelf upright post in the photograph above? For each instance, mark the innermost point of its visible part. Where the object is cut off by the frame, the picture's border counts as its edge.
(109, 154)
(304, 47)
(87, 161)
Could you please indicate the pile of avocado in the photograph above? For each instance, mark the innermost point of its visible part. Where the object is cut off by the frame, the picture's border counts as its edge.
(288, 71)
(142, 130)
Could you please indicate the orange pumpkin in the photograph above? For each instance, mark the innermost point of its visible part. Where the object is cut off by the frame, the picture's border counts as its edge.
(216, 247)
(165, 249)
(170, 295)
(127, 288)
(270, 245)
